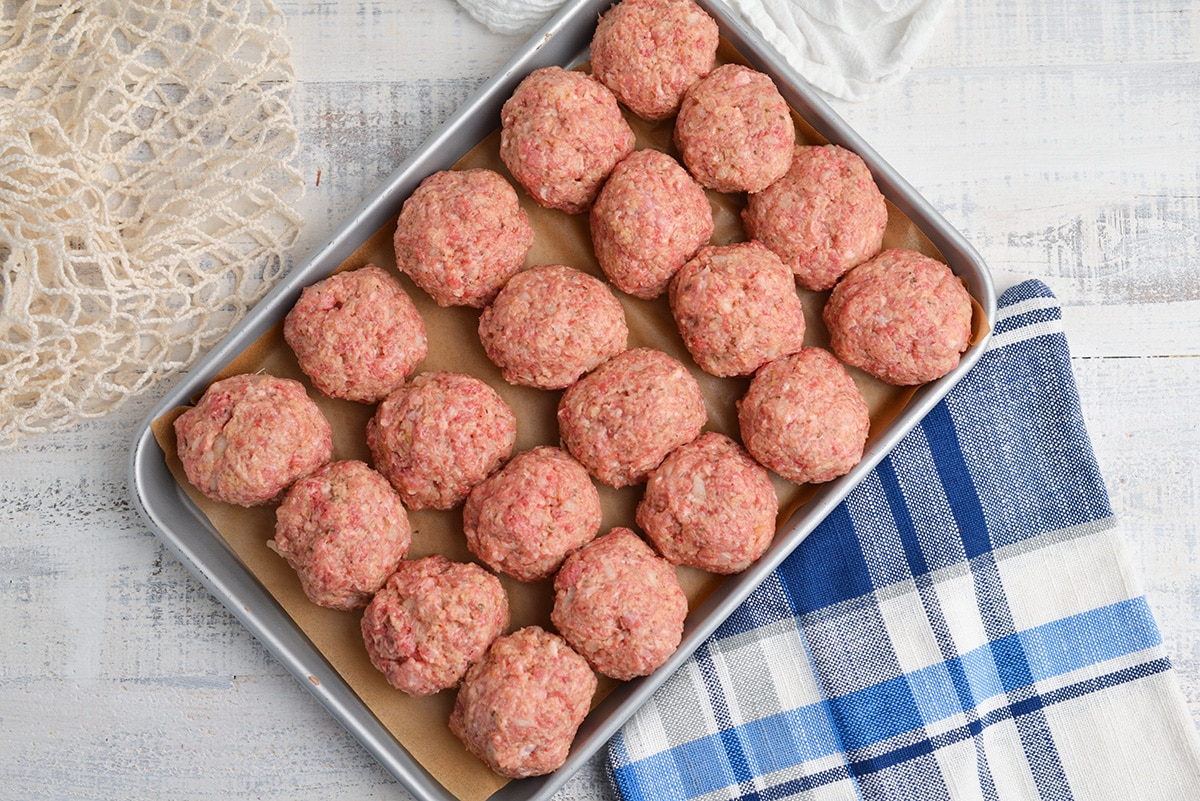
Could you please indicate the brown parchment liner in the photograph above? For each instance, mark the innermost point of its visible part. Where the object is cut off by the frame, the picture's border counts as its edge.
(420, 724)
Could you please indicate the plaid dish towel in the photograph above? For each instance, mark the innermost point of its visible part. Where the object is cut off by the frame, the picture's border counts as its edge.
(961, 627)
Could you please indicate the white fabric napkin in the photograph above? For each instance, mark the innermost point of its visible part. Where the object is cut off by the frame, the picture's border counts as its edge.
(847, 48)
(511, 16)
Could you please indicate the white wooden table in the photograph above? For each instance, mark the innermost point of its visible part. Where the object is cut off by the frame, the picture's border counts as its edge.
(1062, 138)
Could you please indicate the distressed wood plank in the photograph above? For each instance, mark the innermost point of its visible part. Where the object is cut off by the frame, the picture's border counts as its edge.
(1063, 139)
(1140, 413)
(382, 41)
(1071, 174)
(354, 134)
(1069, 32)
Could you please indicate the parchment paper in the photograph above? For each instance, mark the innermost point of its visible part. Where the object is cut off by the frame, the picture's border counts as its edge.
(420, 724)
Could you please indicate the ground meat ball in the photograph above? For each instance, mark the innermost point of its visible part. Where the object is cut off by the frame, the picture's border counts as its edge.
(439, 435)
(623, 418)
(709, 505)
(648, 52)
(432, 620)
(903, 317)
(550, 325)
(461, 235)
(824, 216)
(357, 335)
(736, 308)
(250, 436)
(561, 134)
(649, 218)
(343, 530)
(735, 131)
(527, 517)
(620, 605)
(804, 418)
(520, 706)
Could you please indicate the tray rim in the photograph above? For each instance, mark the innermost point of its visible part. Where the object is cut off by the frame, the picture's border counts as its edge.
(172, 516)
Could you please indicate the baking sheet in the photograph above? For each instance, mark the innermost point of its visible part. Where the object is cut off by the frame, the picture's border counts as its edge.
(418, 725)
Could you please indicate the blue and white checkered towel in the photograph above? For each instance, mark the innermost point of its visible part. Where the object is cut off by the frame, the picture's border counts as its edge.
(961, 627)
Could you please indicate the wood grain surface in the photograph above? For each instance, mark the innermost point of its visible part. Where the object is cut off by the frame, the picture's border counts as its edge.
(1062, 138)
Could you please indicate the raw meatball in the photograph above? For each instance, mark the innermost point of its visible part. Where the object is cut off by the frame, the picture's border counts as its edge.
(737, 309)
(561, 134)
(250, 437)
(735, 130)
(903, 317)
(623, 418)
(357, 335)
(649, 218)
(648, 52)
(527, 517)
(520, 706)
(551, 324)
(343, 530)
(620, 605)
(709, 505)
(804, 417)
(824, 216)
(439, 435)
(461, 235)
(432, 620)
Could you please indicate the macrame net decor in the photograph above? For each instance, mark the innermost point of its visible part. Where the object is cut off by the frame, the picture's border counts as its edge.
(147, 193)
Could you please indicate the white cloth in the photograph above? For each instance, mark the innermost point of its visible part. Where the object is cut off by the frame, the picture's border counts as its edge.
(847, 48)
(511, 16)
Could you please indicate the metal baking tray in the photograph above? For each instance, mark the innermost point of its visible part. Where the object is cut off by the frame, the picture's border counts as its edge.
(192, 538)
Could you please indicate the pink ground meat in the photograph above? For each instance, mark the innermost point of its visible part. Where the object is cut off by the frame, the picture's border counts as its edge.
(343, 530)
(432, 620)
(357, 334)
(735, 131)
(250, 436)
(620, 605)
(709, 505)
(438, 436)
(804, 417)
(461, 235)
(824, 216)
(561, 134)
(524, 519)
(649, 218)
(621, 419)
(551, 324)
(737, 308)
(903, 317)
(648, 52)
(520, 707)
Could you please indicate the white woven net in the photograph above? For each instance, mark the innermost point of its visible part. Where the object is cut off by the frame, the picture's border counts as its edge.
(146, 193)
